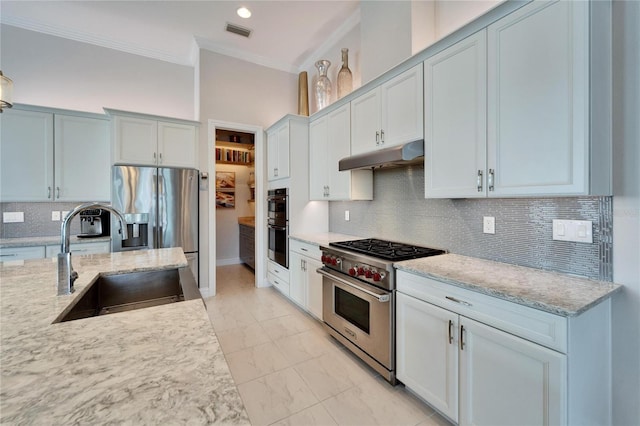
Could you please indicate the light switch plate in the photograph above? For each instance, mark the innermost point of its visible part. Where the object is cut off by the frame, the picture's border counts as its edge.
(489, 225)
(346, 215)
(12, 217)
(580, 231)
(55, 215)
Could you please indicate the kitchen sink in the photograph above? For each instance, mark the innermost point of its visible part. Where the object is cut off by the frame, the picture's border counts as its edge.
(110, 294)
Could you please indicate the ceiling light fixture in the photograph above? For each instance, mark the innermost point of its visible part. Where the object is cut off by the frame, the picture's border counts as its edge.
(243, 12)
(6, 92)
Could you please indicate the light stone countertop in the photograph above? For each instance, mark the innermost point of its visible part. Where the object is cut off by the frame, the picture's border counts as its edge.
(323, 238)
(553, 292)
(159, 365)
(247, 221)
(46, 241)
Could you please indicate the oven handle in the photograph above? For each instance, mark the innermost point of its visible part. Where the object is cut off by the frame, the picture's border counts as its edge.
(277, 228)
(380, 297)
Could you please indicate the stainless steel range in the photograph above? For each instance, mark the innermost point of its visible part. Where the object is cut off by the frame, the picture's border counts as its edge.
(359, 297)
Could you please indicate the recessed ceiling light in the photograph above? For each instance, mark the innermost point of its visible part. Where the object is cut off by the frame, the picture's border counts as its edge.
(243, 12)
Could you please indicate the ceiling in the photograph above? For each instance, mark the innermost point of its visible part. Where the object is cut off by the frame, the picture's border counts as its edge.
(285, 35)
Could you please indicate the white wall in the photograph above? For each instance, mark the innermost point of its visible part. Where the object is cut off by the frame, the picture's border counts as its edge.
(451, 15)
(55, 72)
(626, 212)
(237, 91)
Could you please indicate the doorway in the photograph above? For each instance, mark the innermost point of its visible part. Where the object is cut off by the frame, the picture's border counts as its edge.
(236, 190)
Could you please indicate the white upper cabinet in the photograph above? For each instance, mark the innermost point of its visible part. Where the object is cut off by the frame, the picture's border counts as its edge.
(329, 138)
(455, 140)
(546, 128)
(390, 114)
(82, 152)
(538, 101)
(70, 163)
(26, 156)
(148, 141)
(278, 152)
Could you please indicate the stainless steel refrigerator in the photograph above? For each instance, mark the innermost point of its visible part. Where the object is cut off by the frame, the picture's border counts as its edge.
(161, 208)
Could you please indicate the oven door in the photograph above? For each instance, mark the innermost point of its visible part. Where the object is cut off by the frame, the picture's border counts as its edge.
(278, 238)
(277, 208)
(361, 313)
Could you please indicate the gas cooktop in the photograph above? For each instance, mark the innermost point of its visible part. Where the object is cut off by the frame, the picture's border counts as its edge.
(387, 250)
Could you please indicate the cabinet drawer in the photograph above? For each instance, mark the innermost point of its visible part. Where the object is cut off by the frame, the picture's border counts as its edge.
(305, 249)
(279, 283)
(537, 326)
(21, 253)
(278, 271)
(81, 248)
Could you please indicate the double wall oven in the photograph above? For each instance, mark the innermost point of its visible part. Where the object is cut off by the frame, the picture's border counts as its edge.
(358, 297)
(278, 225)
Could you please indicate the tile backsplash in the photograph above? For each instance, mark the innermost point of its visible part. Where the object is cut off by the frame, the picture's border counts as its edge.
(37, 219)
(523, 230)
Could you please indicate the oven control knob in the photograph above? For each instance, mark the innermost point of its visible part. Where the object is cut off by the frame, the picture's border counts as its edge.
(352, 271)
(377, 276)
(368, 273)
(360, 270)
(334, 261)
(323, 259)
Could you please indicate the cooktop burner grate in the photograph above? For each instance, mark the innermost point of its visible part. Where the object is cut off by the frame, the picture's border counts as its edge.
(387, 250)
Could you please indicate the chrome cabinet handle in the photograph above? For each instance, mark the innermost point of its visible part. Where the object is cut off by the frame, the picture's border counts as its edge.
(491, 179)
(479, 181)
(303, 249)
(461, 337)
(57, 192)
(462, 302)
(48, 192)
(8, 255)
(377, 138)
(382, 136)
(154, 156)
(450, 332)
(160, 155)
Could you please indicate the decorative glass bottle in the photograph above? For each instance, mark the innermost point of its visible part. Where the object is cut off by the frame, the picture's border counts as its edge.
(323, 85)
(345, 79)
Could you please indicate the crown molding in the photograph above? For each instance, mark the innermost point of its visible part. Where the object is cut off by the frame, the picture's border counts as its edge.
(350, 23)
(109, 43)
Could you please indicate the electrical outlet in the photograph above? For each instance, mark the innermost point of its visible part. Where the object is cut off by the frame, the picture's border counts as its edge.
(12, 217)
(55, 215)
(346, 215)
(489, 225)
(580, 231)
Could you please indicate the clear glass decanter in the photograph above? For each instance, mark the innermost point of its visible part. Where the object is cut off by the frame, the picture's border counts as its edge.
(323, 85)
(345, 79)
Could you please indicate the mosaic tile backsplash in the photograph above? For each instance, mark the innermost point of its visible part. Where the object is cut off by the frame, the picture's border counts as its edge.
(523, 235)
(37, 219)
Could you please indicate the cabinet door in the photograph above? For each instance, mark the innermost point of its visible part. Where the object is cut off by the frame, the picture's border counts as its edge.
(339, 135)
(26, 156)
(506, 380)
(283, 151)
(365, 122)
(427, 352)
(177, 145)
(402, 108)
(538, 100)
(455, 120)
(272, 154)
(318, 162)
(314, 287)
(82, 159)
(297, 279)
(135, 141)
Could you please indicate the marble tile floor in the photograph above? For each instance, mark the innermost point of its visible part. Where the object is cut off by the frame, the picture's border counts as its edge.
(289, 371)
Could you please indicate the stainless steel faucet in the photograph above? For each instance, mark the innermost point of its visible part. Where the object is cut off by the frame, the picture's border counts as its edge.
(66, 274)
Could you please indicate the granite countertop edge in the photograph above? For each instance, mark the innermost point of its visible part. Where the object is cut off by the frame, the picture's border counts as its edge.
(322, 238)
(573, 306)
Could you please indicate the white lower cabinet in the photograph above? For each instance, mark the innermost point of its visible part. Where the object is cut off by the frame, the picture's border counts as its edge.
(481, 360)
(305, 286)
(278, 277)
(8, 254)
(81, 248)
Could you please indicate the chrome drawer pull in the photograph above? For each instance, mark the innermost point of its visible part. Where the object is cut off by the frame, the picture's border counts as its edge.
(462, 302)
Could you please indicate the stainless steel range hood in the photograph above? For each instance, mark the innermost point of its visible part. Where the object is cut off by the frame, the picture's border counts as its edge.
(395, 156)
